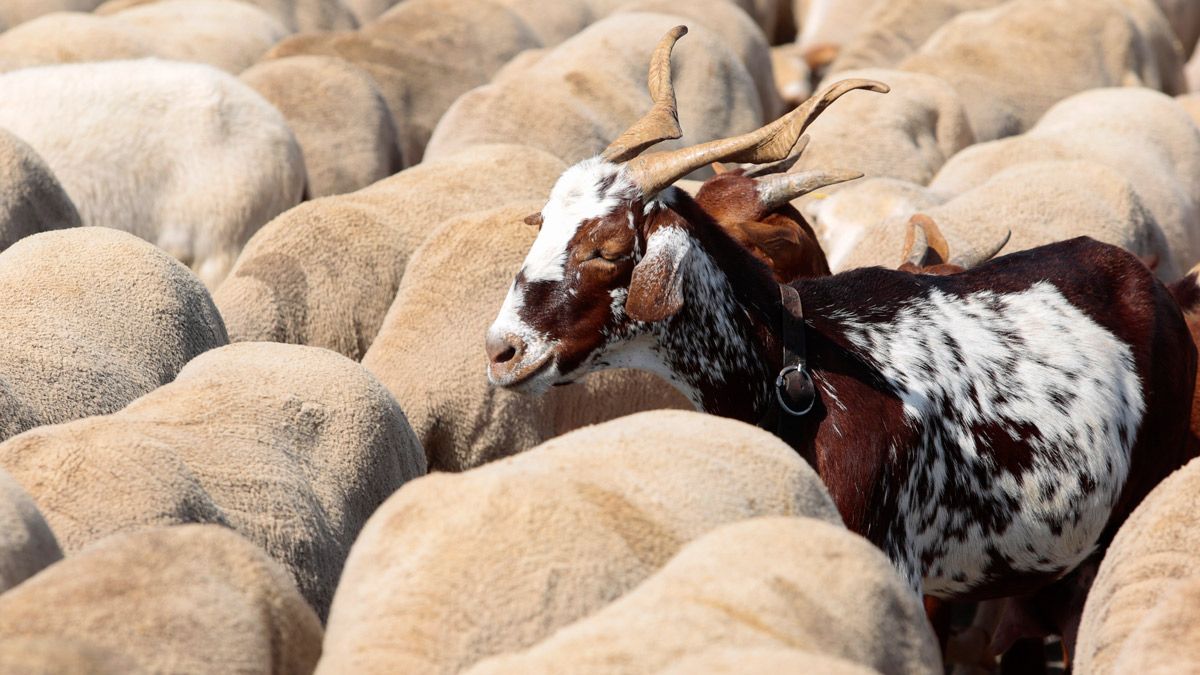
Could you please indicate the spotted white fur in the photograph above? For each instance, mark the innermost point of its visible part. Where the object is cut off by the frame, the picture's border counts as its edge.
(1028, 359)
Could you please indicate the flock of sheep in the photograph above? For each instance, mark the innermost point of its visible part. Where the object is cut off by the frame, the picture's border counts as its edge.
(249, 251)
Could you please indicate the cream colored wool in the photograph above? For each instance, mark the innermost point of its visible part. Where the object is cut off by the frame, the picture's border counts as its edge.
(182, 155)
(14, 12)
(1010, 63)
(829, 22)
(429, 351)
(571, 101)
(32, 200)
(842, 220)
(228, 34)
(340, 119)
(455, 568)
(551, 20)
(763, 660)
(295, 15)
(1040, 203)
(1191, 104)
(737, 30)
(325, 272)
(1146, 596)
(907, 133)
(293, 447)
(1144, 135)
(195, 599)
(26, 543)
(93, 319)
(793, 583)
(56, 656)
(395, 49)
(1192, 72)
(71, 37)
(893, 29)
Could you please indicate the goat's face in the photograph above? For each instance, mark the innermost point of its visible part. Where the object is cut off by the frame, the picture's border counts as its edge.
(566, 306)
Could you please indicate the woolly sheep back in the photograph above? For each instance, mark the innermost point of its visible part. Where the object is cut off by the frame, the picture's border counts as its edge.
(191, 599)
(340, 120)
(95, 318)
(795, 583)
(32, 200)
(293, 447)
(26, 543)
(446, 572)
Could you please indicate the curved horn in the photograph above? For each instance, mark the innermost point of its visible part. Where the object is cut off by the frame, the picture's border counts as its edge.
(662, 121)
(924, 243)
(771, 143)
(980, 254)
(775, 191)
(782, 166)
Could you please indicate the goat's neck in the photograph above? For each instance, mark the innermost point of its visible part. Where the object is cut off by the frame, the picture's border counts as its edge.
(721, 350)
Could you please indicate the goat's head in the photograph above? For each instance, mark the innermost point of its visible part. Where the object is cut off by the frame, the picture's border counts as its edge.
(608, 260)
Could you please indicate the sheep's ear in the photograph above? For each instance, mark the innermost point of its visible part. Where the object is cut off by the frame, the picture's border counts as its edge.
(534, 220)
(656, 287)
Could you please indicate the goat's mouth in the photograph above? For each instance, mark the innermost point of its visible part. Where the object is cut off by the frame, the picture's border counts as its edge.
(525, 376)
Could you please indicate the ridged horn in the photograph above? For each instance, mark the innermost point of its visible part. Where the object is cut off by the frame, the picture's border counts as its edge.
(924, 236)
(661, 123)
(775, 191)
(770, 143)
(782, 166)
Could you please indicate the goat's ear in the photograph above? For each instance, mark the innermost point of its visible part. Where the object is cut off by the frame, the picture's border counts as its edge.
(656, 287)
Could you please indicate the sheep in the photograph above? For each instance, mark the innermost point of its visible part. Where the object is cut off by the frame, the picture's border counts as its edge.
(572, 100)
(1191, 104)
(222, 33)
(295, 15)
(32, 200)
(606, 506)
(94, 318)
(552, 21)
(1144, 135)
(1192, 72)
(908, 134)
(427, 351)
(719, 661)
(26, 543)
(190, 599)
(795, 583)
(325, 272)
(736, 30)
(1012, 62)
(340, 120)
(1140, 612)
(182, 155)
(891, 31)
(1038, 202)
(823, 26)
(395, 49)
(56, 656)
(291, 446)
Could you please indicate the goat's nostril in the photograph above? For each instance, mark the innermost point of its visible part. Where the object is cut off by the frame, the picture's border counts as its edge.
(503, 349)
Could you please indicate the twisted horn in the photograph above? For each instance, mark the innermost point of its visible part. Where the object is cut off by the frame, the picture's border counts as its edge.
(771, 143)
(980, 254)
(782, 166)
(662, 121)
(775, 191)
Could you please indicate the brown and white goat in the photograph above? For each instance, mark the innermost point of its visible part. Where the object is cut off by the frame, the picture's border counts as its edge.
(988, 430)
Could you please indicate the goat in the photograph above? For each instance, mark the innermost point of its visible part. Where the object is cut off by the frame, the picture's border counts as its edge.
(988, 430)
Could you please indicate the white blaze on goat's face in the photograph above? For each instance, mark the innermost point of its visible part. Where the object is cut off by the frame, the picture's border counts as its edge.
(559, 307)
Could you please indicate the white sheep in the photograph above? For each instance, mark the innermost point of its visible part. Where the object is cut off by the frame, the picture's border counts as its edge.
(457, 567)
(325, 272)
(574, 99)
(1012, 62)
(1141, 612)
(26, 543)
(182, 155)
(195, 599)
(784, 583)
(295, 15)
(1144, 135)
(340, 120)
(293, 447)
(31, 198)
(94, 318)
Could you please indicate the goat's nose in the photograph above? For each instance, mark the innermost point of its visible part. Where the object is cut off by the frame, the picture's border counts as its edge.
(504, 348)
